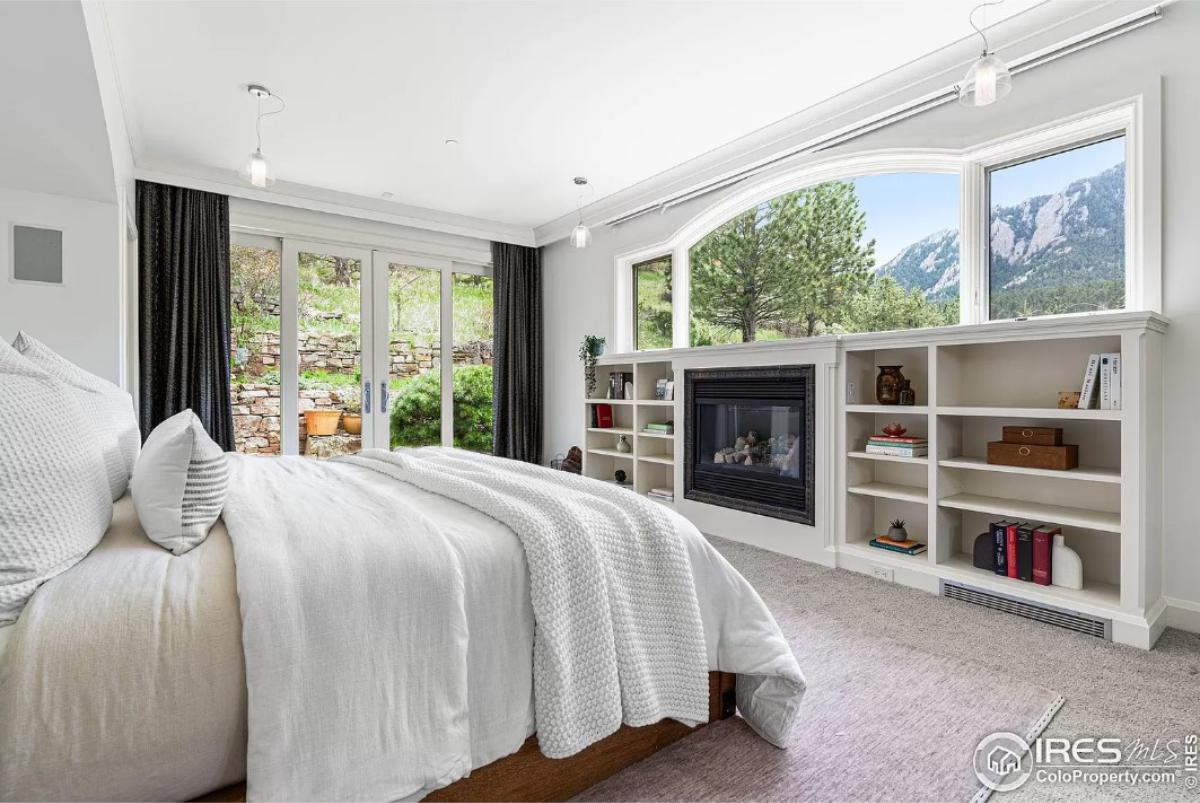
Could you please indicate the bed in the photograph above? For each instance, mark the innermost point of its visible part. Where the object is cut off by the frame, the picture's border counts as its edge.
(142, 675)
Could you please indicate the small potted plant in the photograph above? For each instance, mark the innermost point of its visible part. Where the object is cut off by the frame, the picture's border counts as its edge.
(352, 413)
(896, 531)
(591, 348)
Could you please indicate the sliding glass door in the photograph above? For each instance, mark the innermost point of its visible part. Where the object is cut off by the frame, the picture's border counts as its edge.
(337, 349)
(325, 382)
(433, 327)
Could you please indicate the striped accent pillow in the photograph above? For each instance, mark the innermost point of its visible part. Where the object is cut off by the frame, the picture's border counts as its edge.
(180, 483)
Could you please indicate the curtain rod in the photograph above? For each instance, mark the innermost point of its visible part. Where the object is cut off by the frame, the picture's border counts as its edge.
(900, 113)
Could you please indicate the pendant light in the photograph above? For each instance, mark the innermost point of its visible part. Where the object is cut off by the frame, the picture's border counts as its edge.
(581, 235)
(258, 170)
(988, 79)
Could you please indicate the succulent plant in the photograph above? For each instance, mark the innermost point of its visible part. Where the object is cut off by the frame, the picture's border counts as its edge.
(898, 524)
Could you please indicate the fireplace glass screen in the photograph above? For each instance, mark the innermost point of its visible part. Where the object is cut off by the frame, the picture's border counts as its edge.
(750, 439)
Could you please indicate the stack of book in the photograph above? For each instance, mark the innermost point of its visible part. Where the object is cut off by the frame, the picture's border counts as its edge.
(660, 429)
(908, 547)
(1023, 551)
(898, 446)
(663, 494)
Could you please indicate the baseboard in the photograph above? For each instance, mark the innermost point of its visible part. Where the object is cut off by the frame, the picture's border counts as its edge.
(1182, 614)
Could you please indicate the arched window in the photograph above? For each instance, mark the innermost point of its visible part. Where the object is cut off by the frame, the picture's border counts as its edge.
(861, 254)
(1052, 221)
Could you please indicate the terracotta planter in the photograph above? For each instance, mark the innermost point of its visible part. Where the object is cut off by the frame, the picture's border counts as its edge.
(321, 422)
(352, 424)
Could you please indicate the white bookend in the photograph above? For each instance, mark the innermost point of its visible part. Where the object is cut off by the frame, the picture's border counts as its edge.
(1114, 391)
(1088, 391)
(1105, 382)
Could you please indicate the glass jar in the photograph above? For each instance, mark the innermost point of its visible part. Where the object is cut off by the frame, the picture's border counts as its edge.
(888, 384)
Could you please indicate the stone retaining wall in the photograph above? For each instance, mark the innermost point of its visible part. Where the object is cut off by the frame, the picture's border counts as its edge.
(257, 405)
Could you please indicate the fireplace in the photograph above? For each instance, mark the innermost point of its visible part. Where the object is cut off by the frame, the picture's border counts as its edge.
(749, 439)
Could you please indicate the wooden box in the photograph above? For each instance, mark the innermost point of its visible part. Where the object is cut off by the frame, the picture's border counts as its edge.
(1040, 436)
(1059, 458)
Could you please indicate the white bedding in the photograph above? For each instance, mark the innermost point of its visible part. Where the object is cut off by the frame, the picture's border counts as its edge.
(124, 677)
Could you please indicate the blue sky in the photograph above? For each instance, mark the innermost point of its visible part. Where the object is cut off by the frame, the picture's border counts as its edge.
(905, 207)
(902, 208)
(1011, 185)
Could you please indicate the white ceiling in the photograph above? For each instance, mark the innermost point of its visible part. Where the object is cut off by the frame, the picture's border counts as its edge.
(535, 91)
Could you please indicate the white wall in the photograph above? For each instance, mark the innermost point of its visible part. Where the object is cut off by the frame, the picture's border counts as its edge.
(64, 163)
(579, 293)
(80, 318)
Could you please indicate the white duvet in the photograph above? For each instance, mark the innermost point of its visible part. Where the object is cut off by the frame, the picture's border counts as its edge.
(151, 703)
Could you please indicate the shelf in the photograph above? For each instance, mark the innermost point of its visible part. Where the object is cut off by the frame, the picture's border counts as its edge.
(610, 453)
(655, 403)
(889, 458)
(889, 490)
(1036, 511)
(1083, 473)
(608, 401)
(663, 436)
(959, 567)
(1032, 412)
(662, 460)
(613, 430)
(893, 409)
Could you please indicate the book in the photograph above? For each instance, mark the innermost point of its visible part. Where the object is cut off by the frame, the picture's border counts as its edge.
(1087, 393)
(999, 530)
(1010, 554)
(1114, 381)
(604, 416)
(1025, 552)
(1043, 550)
(905, 547)
(895, 439)
(1105, 382)
(897, 451)
(654, 427)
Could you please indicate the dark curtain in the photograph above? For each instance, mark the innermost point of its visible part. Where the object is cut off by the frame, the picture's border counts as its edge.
(517, 378)
(183, 307)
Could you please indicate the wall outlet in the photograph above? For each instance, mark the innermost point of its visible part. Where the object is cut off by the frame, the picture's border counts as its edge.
(883, 573)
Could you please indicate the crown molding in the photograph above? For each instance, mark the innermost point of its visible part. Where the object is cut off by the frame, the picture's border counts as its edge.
(316, 199)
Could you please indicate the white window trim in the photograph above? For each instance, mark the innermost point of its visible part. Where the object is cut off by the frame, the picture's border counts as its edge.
(1138, 118)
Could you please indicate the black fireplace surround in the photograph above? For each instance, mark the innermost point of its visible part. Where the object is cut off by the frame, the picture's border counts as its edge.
(749, 439)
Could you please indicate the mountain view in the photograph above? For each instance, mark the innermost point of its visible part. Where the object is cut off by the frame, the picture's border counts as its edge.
(1063, 252)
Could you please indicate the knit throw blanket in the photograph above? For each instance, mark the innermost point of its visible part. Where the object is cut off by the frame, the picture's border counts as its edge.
(619, 636)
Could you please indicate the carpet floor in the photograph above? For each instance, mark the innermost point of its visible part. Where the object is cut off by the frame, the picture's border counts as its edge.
(903, 684)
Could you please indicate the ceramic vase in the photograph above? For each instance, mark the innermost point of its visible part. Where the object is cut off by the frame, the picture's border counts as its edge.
(1066, 569)
(888, 383)
(623, 445)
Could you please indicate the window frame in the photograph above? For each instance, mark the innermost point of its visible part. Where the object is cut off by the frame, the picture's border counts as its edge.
(1136, 118)
(633, 312)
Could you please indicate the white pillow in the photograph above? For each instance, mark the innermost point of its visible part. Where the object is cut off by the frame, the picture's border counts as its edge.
(54, 497)
(179, 483)
(109, 409)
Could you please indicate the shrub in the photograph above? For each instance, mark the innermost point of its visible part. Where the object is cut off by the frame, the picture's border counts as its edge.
(416, 409)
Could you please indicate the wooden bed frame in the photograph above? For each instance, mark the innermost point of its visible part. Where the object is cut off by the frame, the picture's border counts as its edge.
(527, 775)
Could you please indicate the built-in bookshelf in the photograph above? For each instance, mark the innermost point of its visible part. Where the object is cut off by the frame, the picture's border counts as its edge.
(650, 463)
(969, 385)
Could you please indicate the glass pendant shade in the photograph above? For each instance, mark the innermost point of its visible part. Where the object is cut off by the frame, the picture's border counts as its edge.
(987, 81)
(581, 236)
(258, 170)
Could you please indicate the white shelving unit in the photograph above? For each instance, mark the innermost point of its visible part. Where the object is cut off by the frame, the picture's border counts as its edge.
(651, 461)
(969, 384)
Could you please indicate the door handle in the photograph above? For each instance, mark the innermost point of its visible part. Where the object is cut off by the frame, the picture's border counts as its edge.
(383, 396)
(366, 398)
